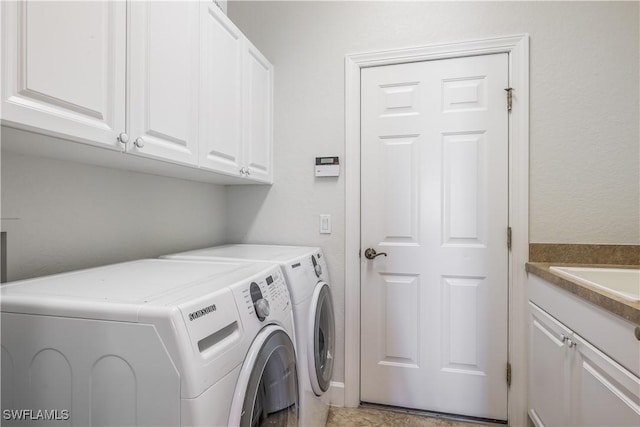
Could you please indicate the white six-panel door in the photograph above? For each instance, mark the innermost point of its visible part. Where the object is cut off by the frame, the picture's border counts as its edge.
(63, 68)
(434, 153)
(164, 67)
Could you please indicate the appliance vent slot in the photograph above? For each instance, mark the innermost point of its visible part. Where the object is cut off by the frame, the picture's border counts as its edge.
(217, 337)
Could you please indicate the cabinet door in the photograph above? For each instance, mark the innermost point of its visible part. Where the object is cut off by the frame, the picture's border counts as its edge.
(221, 92)
(258, 115)
(603, 392)
(63, 67)
(163, 103)
(548, 370)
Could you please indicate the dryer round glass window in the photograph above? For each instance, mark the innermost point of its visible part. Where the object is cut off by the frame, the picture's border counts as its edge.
(321, 348)
(271, 396)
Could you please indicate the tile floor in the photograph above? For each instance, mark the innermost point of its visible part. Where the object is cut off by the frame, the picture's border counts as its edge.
(373, 417)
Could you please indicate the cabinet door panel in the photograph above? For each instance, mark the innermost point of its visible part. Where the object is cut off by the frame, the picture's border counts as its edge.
(221, 85)
(604, 393)
(64, 68)
(548, 370)
(163, 104)
(258, 114)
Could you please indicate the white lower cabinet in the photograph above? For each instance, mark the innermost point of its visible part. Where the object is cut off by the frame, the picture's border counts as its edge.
(603, 392)
(572, 383)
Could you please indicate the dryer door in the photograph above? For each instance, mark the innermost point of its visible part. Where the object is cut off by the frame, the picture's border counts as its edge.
(267, 389)
(321, 344)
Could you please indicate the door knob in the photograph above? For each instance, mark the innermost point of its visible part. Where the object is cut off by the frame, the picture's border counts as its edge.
(123, 138)
(371, 253)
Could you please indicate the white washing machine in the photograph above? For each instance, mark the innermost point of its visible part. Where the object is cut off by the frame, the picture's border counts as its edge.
(150, 342)
(307, 277)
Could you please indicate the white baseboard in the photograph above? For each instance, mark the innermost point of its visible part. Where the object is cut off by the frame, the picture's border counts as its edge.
(336, 391)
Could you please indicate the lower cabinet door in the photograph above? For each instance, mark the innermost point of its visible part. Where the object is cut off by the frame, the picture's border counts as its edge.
(548, 370)
(603, 392)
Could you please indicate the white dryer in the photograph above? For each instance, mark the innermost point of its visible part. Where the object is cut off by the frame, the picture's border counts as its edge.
(307, 277)
(151, 342)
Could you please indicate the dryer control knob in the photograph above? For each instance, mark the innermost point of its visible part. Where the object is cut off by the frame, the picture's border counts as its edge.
(262, 308)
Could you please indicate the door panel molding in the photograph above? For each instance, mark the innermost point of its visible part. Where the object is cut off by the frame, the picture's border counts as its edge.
(518, 49)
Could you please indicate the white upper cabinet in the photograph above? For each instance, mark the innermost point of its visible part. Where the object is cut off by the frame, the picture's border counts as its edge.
(258, 115)
(173, 81)
(236, 108)
(164, 68)
(221, 87)
(63, 69)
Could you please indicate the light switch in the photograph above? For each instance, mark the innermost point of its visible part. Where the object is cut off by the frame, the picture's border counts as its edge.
(325, 224)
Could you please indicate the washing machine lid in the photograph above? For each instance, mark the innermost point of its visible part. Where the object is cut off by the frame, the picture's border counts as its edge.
(115, 291)
(303, 266)
(273, 253)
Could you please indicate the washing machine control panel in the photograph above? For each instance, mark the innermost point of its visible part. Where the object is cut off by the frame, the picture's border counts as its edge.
(267, 295)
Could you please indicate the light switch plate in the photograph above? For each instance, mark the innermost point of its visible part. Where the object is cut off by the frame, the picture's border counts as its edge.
(325, 224)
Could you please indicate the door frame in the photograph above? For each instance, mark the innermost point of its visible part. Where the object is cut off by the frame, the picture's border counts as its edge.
(517, 47)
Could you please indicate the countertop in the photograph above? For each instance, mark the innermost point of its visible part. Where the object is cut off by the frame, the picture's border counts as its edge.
(619, 306)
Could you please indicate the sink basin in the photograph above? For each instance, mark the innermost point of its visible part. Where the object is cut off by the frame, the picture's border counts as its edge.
(623, 282)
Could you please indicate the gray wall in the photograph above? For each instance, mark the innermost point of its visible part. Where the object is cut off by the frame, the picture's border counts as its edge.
(70, 215)
(584, 150)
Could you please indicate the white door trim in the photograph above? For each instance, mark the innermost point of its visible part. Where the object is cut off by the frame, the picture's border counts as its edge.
(518, 49)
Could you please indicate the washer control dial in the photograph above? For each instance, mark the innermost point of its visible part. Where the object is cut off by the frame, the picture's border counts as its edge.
(316, 267)
(262, 309)
(260, 304)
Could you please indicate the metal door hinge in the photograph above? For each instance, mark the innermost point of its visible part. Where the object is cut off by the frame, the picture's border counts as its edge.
(509, 91)
(508, 374)
(509, 238)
